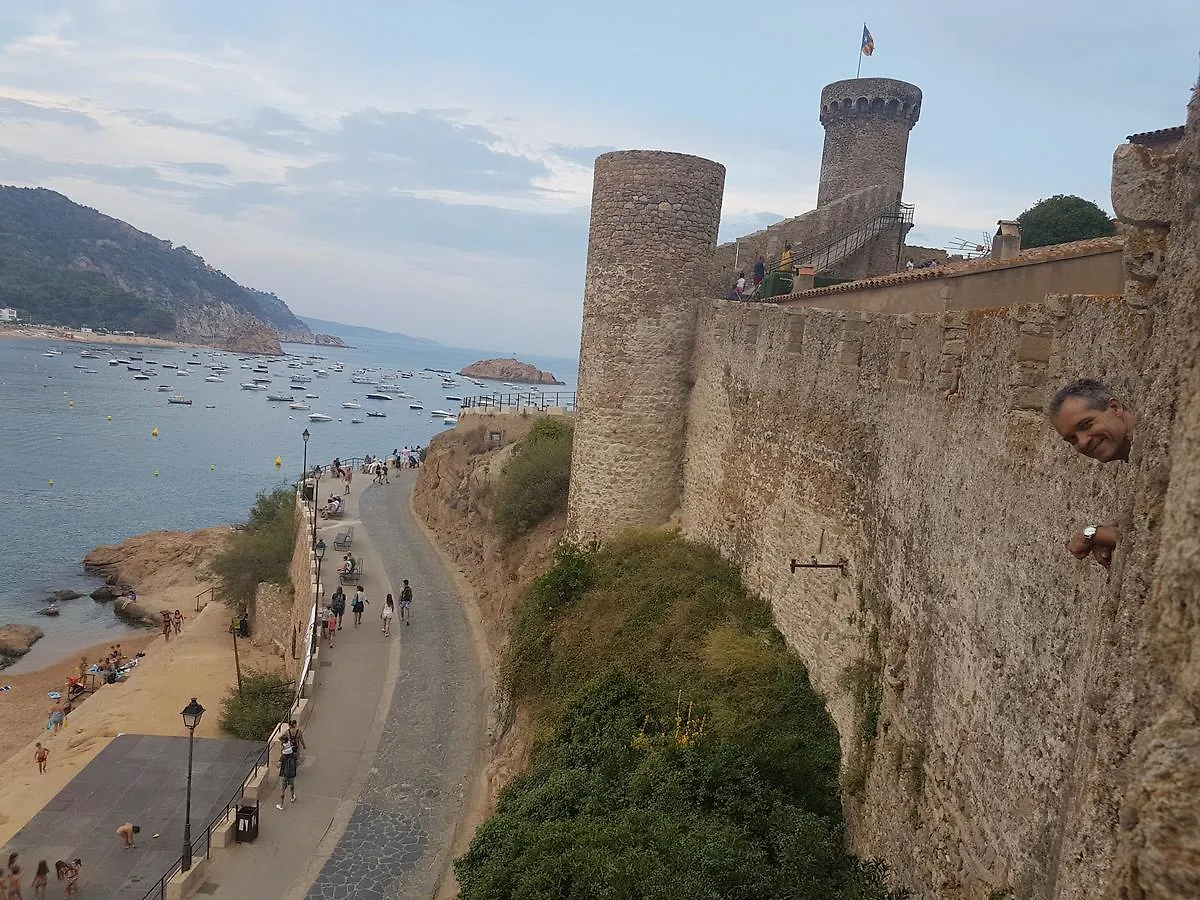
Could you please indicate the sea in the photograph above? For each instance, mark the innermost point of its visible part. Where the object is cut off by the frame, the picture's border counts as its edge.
(92, 456)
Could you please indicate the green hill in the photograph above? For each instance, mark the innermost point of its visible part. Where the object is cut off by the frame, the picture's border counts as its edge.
(66, 264)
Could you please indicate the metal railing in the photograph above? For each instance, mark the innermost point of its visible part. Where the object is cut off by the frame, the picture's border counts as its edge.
(204, 841)
(210, 592)
(538, 400)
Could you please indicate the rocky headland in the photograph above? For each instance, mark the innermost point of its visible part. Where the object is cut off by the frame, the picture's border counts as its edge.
(15, 641)
(509, 370)
(311, 337)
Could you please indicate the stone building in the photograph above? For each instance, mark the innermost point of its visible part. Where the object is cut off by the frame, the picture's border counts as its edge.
(1034, 725)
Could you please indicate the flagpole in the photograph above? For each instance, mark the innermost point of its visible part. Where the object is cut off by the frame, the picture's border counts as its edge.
(858, 73)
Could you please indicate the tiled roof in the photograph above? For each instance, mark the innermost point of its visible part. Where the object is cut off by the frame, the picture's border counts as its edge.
(1161, 136)
(1072, 250)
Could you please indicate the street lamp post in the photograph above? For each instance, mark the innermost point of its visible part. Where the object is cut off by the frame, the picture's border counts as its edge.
(192, 714)
(319, 552)
(304, 465)
(316, 491)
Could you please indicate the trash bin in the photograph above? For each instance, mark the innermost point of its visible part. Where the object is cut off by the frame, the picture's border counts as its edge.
(247, 822)
(308, 490)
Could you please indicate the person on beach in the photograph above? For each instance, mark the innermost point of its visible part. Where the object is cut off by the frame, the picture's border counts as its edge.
(338, 604)
(288, 761)
(14, 879)
(357, 605)
(177, 621)
(389, 610)
(405, 602)
(166, 627)
(69, 872)
(83, 666)
(40, 879)
(40, 755)
(126, 833)
(57, 717)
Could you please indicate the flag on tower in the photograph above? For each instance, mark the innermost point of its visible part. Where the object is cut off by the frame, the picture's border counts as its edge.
(868, 43)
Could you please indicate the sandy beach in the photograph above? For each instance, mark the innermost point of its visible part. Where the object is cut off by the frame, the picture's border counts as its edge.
(169, 570)
(50, 333)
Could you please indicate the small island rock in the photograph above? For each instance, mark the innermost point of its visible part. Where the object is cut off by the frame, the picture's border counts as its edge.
(63, 596)
(509, 370)
(15, 641)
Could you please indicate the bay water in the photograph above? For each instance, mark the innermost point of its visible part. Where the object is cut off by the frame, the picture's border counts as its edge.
(82, 466)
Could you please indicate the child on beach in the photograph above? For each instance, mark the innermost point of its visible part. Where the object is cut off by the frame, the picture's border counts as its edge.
(40, 755)
(389, 609)
(127, 831)
(14, 880)
(69, 872)
(40, 878)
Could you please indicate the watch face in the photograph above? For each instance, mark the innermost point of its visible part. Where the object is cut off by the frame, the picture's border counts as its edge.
(1090, 531)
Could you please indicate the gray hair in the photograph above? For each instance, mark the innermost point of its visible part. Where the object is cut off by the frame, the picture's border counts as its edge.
(1095, 392)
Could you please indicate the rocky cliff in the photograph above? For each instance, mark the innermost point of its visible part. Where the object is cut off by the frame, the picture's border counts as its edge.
(67, 264)
(311, 337)
(509, 370)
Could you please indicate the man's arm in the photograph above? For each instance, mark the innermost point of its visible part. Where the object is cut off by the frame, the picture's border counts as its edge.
(1100, 545)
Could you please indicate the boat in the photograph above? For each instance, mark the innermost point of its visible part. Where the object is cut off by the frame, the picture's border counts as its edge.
(377, 395)
(183, 372)
(356, 421)
(245, 366)
(312, 397)
(88, 354)
(79, 366)
(261, 380)
(133, 368)
(165, 389)
(210, 406)
(141, 377)
(302, 379)
(169, 366)
(443, 413)
(375, 414)
(321, 373)
(351, 404)
(280, 398)
(179, 400)
(253, 386)
(194, 362)
(406, 374)
(319, 417)
(52, 352)
(300, 405)
(455, 399)
(450, 420)
(417, 405)
(213, 378)
(114, 362)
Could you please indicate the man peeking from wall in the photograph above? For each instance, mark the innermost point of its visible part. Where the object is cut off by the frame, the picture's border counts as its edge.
(1089, 416)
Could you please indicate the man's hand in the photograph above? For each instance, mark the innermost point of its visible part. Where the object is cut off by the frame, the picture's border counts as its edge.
(1079, 546)
(1100, 547)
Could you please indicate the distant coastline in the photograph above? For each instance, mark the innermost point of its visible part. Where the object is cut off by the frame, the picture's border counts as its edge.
(55, 333)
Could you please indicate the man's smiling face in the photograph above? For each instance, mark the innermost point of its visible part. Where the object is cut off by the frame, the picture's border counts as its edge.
(1103, 434)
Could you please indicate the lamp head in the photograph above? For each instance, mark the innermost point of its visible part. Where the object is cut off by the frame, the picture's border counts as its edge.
(192, 713)
(304, 434)
(320, 549)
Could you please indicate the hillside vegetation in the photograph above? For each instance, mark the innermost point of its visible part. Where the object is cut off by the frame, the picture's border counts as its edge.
(67, 264)
(681, 750)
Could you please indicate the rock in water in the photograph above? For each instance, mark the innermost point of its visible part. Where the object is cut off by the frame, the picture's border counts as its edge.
(509, 370)
(15, 641)
(111, 580)
(132, 611)
(103, 593)
(63, 596)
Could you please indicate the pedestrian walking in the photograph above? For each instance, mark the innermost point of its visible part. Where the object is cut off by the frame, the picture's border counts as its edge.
(40, 879)
(405, 602)
(57, 717)
(288, 762)
(177, 621)
(69, 872)
(40, 755)
(338, 605)
(14, 881)
(349, 476)
(331, 623)
(357, 605)
(166, 626)
(297, 738)
(389, 609)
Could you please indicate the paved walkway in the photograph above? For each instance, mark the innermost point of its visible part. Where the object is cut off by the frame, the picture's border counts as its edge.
(393, 740)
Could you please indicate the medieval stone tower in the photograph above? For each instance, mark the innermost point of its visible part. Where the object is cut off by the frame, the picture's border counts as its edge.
(867, 121)
(653, 233)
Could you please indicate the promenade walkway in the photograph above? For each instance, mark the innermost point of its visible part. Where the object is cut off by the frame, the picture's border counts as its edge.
(394, 739)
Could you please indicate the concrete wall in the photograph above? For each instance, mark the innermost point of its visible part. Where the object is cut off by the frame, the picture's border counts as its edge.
(1022, 280)
(916, 449)
(280, 617)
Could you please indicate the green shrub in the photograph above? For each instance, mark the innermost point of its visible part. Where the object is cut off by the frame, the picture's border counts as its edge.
(682, 750)
(260, 551)
(534, 483)
(262, 703)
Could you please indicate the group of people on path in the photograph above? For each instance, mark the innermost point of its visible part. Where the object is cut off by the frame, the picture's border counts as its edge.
(330, 616)
(12, 877)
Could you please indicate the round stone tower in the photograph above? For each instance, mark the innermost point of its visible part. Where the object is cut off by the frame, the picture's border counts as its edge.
(650, 248)
(867, 121)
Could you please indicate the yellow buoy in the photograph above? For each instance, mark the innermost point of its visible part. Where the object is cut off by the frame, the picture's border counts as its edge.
(278, 461)
(71, 403)
(154, 433)
(50, 482)
(110, 418)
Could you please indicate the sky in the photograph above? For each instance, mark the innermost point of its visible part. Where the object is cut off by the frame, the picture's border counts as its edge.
(426, 167)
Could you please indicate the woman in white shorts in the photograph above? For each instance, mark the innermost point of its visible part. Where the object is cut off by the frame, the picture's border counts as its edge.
(389, 610)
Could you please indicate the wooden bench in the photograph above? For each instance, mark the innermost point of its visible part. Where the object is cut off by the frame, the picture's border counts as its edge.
(344, 539)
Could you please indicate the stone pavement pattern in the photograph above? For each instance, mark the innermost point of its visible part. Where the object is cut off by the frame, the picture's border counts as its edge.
(392, 740)
(140, 779)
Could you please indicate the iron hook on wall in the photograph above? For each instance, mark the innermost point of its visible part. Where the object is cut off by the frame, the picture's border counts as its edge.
(840, 565)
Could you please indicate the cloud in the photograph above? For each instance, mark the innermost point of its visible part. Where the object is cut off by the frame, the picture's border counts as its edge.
(583, 156)
(202, 168)
(21, 112)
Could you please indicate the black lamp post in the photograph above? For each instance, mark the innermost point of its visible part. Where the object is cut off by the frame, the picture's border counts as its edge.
(191, 718)
(316, 491)
(304, 465)
(319, 549)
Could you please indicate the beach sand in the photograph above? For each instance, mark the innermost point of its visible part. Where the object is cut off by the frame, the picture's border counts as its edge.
(197, 663)
(50, 333)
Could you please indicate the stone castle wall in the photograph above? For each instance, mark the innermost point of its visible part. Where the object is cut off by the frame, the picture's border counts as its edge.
(653, 233)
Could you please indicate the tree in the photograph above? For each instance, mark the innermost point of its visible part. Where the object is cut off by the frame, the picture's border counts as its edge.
(1063, 218)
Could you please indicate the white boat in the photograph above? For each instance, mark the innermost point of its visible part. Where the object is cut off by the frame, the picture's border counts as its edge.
(52, 352)
(312, 397)
(89, 354)
(179, 400)
(321, 373)
(300, 405)
(245, 366)
(141, 377)
(376, 395)
(351, 404)
(169, 366)
(301, 379)
(319, 417)
(406, 374)
(253, 386)
(416, 406)
(182, 372)
(450, 420)
(455, 399)
(374, 414)
(213, 378)
(441, 413)
(280, 398)
(356, 421)
(165, 389)
(114, 362)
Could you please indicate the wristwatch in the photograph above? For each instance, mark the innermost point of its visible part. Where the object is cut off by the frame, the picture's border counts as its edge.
(1089, 532)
